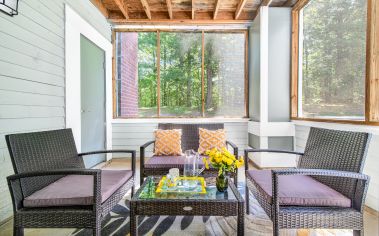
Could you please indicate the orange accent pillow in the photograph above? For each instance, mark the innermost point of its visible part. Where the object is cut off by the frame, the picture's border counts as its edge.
(209, 139)
(168, 142)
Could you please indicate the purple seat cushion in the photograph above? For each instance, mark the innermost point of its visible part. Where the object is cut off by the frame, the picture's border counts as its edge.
(74, 190)
(167, 162)
(298, 190)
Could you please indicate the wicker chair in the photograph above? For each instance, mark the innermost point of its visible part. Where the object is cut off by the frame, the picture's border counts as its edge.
(47, 161)
(331, 166)
(158, 165)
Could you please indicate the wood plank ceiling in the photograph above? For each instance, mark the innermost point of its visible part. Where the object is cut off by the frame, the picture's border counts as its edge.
(187, 11)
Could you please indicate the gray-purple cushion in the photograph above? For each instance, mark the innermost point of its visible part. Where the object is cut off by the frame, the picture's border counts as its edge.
(74, 190)
(167, 162)
(298, 190)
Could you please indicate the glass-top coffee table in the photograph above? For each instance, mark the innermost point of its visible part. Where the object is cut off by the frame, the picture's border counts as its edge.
(213, 203)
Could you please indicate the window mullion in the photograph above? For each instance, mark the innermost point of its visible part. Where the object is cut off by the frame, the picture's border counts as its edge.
(202, 76)
(158, 73)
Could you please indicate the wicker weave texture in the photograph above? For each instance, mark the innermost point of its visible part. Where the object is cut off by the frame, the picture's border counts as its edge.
(175, 206)
(46, 150)
(190, 140)
(335, 150)
(41, 158)
(334, 158)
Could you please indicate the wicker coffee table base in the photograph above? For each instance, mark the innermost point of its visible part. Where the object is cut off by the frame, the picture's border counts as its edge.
(194, 207)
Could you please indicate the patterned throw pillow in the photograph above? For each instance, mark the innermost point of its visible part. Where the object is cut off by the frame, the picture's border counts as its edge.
(168, 142)
(209, 139)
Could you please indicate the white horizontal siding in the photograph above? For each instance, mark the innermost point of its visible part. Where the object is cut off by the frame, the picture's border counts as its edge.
(133, 135)
(32, 73)
(371, 164)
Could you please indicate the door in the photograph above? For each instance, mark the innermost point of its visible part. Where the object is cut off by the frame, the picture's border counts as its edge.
(93, 122)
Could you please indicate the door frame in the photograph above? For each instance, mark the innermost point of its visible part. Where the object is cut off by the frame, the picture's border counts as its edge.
(75, 26)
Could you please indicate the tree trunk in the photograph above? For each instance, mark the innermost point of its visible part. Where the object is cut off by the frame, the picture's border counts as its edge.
(189, 79)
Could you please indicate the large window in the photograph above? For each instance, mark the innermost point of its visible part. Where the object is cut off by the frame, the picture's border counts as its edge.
(180, 74)
(332, 65)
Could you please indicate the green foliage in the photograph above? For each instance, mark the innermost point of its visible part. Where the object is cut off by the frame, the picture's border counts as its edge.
(334, 57)
(180, 74)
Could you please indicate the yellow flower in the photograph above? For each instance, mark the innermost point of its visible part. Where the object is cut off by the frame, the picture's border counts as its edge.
(218, 159)
(206, 163)
(227, 161)
(239, 163)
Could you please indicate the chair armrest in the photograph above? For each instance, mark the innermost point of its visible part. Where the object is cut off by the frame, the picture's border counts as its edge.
(361, 189)
(235, 148)
(148, 144)
(272, 150)
(14, 183)
(142, 153)
(247, 151)
(133, 152)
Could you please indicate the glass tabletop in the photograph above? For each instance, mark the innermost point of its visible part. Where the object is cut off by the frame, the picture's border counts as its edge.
(148, 192)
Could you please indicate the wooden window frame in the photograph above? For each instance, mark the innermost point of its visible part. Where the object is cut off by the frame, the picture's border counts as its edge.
(372, 67)
(246, 79)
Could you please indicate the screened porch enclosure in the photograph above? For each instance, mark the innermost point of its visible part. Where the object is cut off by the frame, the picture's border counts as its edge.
(192, 117)
(181, 74)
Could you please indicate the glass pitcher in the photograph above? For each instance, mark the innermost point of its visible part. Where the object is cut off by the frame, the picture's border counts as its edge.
(192, 167)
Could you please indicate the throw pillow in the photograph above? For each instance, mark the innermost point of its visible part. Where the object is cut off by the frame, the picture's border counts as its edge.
(168, 142)
(209, 139)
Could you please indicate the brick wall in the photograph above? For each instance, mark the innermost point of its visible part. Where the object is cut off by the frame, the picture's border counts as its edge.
(129, 75)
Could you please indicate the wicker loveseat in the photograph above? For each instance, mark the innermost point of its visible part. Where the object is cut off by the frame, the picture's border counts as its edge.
(51, 187)
(160, 165)
(327, 190)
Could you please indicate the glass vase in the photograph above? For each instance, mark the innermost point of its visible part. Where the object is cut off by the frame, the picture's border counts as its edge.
(222, 182)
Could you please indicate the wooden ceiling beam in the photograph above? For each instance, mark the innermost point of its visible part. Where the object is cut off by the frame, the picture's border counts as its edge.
(289, 3)
(265, 3)
(240, 6)
(169, 8)
(193, 9)
(300, 4)
(181, 22)
(217, 7)
(146, 7)
(99, 4)
(123, 8)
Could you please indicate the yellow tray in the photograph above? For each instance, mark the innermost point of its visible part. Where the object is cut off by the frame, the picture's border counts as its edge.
(181, 190)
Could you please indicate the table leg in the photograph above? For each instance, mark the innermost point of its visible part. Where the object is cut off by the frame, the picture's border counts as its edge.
(241, 219)
(133, 220)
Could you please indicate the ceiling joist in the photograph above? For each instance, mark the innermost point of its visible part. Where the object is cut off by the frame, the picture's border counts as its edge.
(146, 8)
(300, 4)
(289, 3)
(266, 3)
(193, 9)
(240, 7)
(147, 11)
(217, 8)
(123, 8)
(169, 8)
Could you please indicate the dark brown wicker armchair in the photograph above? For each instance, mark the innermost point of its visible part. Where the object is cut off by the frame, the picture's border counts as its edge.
(51, 187)
(158, 165)
(326, 191)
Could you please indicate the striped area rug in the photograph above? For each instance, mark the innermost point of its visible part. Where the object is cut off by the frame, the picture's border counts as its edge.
(256, 224)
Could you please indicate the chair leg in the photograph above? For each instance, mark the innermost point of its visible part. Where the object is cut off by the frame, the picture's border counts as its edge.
(96, 231)
(18, 231)
(275, 228)
(358, 232)
(141, 179)
(247, 200)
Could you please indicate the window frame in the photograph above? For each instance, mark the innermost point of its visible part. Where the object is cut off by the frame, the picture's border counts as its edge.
(158, 31)
(372, 67)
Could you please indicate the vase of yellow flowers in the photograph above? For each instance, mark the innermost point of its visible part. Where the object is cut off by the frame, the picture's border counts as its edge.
(225, 162)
